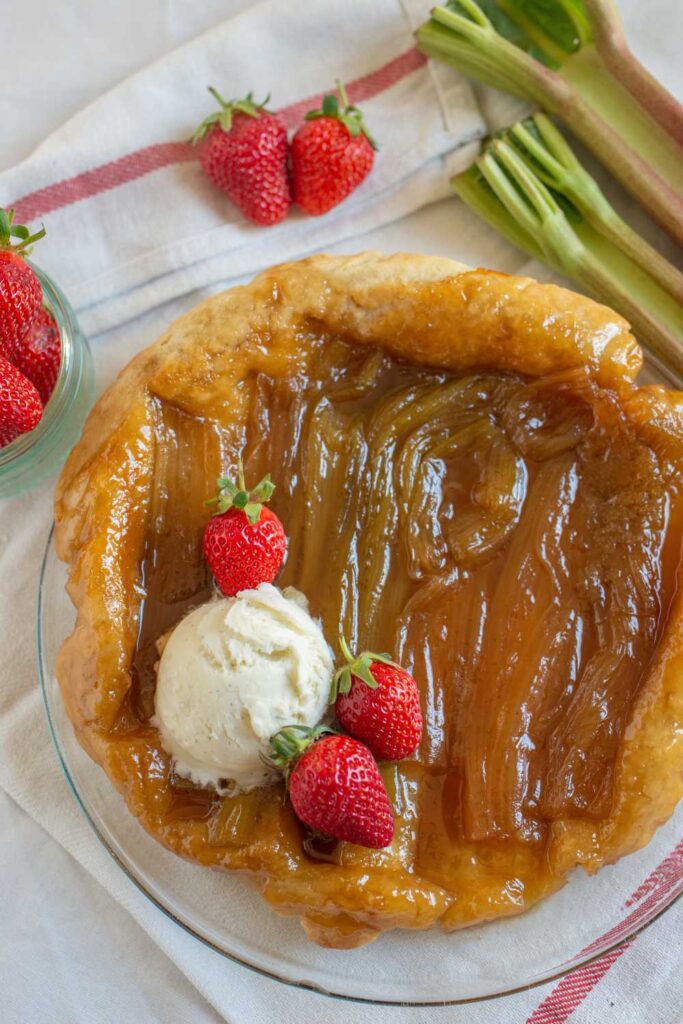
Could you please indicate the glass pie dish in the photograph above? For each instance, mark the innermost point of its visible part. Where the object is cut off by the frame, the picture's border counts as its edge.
(584, 920)
(501, 502)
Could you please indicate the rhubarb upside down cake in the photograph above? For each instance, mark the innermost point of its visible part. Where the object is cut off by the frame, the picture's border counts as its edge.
(469, 479)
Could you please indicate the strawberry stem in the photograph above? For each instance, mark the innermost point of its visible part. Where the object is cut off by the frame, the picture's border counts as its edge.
(357, 667)
(217, 96)
(344, 647)
(341, 89)
(235, 495)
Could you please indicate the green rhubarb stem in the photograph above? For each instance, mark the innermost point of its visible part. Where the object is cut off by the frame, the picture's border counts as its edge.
(471, 187)
(555, 164)
(662, 341)
(610, 224)
(594, 262)
(611, 44)
(530, 203)
(647, 161)
(474, 46)
(644, 302)
(583, 94)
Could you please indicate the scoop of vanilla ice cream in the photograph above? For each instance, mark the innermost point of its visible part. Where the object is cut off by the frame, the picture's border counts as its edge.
(232, 673)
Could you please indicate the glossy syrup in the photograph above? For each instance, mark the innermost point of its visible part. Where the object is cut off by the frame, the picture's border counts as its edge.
(513, 543)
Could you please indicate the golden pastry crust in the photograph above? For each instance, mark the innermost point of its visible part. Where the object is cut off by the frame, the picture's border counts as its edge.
(425, 310)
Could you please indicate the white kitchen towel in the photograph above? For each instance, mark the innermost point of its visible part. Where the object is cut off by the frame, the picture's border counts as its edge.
(132, 221)
(638, 984)
(641, 984)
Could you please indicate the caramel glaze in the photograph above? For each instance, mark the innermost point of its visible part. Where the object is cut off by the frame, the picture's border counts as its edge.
(514, 542)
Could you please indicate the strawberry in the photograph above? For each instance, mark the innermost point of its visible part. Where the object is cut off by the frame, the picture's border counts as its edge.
(20, 405)
(332, 153)
(244, 153)
(334, 785)
(40, 354)
(244, 542)
(20, 293)
(378, 702)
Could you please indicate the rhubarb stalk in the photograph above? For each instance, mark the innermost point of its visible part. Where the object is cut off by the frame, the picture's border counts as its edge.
(570, 58)
(529, 186)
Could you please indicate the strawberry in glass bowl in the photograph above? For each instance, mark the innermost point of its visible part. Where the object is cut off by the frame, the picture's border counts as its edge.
(46, 377)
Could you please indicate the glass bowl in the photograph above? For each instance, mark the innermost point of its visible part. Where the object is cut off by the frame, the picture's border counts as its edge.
(590, 916)
(37, 454)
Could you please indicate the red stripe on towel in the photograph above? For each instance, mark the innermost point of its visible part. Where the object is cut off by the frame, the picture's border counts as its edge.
(163, 154)
(569, 993)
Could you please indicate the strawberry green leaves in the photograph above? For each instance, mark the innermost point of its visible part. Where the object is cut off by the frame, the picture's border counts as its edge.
(235, 495)
(9, 230)
(359, 667)
(227, 109)
(291, 742)
(349, 115)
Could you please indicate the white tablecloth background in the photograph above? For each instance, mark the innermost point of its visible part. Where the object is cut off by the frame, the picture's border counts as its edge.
(68, 951)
